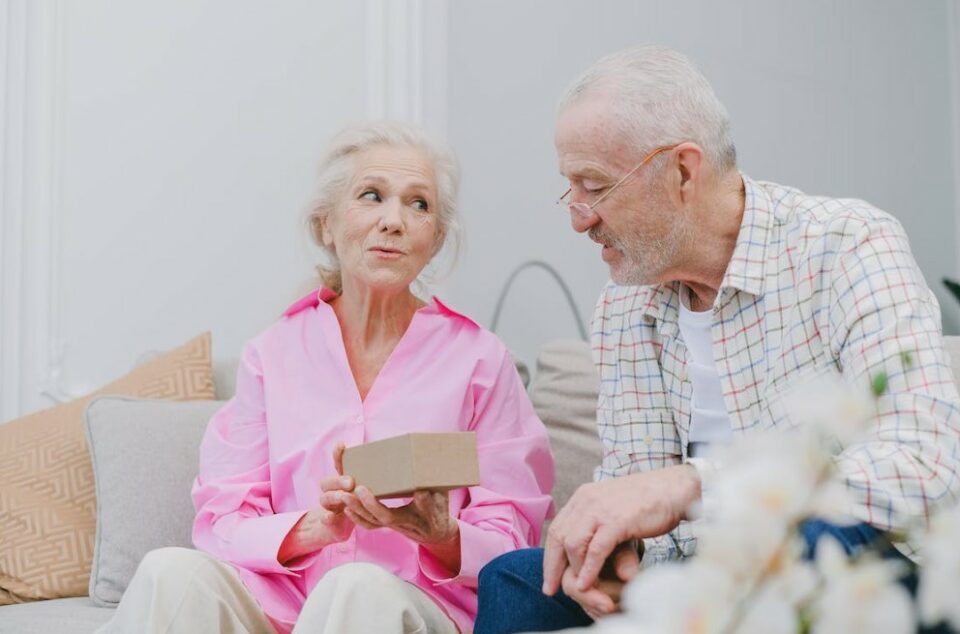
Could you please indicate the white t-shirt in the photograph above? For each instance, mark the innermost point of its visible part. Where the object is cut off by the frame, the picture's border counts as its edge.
(709, 421)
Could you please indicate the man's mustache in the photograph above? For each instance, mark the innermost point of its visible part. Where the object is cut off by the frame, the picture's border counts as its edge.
(597, 234)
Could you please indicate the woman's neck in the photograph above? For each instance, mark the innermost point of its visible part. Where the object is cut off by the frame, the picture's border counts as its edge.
(369, 316)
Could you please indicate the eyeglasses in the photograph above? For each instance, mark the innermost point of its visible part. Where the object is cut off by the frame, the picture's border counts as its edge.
(584, 210)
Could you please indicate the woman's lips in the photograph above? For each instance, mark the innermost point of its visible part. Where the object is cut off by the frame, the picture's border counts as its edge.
(386, 252)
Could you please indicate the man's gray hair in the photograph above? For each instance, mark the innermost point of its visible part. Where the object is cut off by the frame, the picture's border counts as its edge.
(661, 98)
(336, 171)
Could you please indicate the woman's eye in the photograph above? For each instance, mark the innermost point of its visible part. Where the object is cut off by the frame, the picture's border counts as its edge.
(370, 194)
(420, 204)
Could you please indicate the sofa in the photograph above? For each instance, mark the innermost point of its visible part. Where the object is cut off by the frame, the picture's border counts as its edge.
(146, 445)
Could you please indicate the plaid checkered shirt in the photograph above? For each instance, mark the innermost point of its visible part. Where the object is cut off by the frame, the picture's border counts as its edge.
(815, 285)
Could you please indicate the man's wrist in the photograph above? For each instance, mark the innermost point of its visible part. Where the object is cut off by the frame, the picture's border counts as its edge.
(704, 471)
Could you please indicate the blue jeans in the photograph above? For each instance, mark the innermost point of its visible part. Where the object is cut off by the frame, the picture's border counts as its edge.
(511, 599)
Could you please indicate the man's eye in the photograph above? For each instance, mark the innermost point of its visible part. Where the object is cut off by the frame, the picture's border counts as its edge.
(370, 194)
(593, 187)
(420, 204)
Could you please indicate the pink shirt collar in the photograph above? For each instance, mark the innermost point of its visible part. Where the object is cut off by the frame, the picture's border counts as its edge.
(322, 294)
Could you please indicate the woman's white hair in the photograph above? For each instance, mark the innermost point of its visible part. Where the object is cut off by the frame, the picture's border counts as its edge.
(336, 172)
(660, 98)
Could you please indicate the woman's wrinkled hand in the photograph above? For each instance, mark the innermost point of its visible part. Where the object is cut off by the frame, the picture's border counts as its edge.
(426, 519)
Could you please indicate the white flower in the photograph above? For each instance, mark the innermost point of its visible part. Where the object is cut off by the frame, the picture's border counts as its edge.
(698, 597)
(832, 502)
(860, 596)
(769, 612)
(767, 483)
(940, 572)
(833, 407)
(743, 549)
(695, 597)
(771, 473)
(618, 624)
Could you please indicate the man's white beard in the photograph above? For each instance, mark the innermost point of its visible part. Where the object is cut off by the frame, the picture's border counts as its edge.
(644, 259)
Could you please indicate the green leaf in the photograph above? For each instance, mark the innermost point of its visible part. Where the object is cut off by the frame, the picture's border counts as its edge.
(879, 384)
(907, 359)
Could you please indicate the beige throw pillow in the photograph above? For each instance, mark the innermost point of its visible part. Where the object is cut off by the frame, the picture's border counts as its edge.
(47, 500)
(564, 392)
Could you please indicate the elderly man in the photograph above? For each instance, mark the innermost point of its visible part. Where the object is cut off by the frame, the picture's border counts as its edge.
(725, 292)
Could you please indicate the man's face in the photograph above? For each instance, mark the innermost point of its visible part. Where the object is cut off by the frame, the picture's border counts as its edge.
(640, 231)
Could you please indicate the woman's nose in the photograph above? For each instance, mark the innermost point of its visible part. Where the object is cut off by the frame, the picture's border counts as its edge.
(391, 217)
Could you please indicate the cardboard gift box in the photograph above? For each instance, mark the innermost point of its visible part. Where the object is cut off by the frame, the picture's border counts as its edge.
(396, 467)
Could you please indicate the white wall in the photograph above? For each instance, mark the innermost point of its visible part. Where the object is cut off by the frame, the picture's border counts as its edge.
(839, 98)
(156, 156)
(167, 152)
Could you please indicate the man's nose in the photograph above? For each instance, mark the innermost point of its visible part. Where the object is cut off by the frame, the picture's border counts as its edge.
(583, 222)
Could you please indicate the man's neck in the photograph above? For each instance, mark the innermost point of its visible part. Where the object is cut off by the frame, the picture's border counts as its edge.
(712, 241)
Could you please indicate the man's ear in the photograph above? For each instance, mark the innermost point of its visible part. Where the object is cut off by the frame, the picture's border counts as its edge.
(688, 171)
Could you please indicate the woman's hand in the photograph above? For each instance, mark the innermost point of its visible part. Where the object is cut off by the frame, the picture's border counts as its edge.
(332, 501)
(426, 520)
(325, 525)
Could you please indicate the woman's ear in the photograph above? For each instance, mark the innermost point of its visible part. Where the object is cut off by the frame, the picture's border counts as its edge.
(326, 236)
(438, 241)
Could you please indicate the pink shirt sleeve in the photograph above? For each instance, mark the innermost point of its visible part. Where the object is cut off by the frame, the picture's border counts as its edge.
(507, 510)
(232, 493)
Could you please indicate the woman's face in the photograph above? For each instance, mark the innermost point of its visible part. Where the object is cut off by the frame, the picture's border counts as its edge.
(385, 229)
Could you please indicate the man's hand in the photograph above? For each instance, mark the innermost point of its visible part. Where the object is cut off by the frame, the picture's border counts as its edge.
(603, 514)
(603, 597)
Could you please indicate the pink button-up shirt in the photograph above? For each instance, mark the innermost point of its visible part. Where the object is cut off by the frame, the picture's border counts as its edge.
(264, 453)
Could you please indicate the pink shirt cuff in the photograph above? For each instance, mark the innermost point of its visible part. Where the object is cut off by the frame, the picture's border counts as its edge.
(477, 548)
(256, 542)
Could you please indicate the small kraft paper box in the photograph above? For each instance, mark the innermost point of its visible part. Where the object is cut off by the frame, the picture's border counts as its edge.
(396, 467)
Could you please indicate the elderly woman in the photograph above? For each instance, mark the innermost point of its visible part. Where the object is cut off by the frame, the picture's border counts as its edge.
(286, 542)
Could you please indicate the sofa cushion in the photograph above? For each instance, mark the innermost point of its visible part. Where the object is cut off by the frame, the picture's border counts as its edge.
(564, 392)
(77, 615)
(46, 480)
(145, 455)
(225, 377)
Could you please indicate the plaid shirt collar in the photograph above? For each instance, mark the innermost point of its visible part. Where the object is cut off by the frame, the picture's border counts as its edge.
(745, 272)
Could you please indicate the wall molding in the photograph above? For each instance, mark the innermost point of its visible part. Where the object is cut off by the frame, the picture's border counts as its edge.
(407, 63)
(31, 351)
(12, 112)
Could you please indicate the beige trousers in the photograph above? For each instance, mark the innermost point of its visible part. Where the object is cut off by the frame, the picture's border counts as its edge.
(178, 590)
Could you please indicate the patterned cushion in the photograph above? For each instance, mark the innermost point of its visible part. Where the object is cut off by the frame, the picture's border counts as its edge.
(47, 501)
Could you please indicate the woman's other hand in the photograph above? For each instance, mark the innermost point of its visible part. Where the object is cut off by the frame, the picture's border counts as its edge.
(325, 525)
